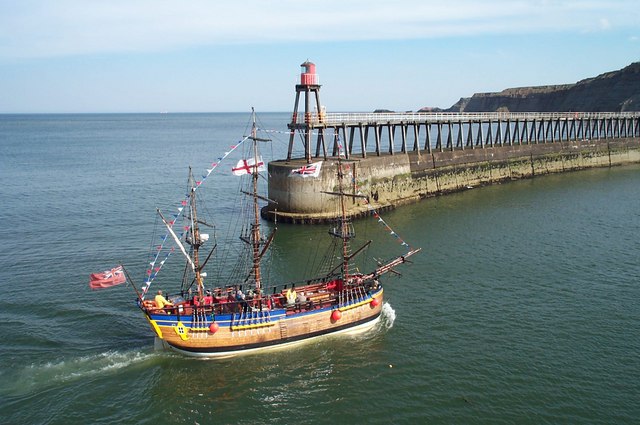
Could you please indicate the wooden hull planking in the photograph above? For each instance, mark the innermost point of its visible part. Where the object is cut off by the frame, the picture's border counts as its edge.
(278, 331)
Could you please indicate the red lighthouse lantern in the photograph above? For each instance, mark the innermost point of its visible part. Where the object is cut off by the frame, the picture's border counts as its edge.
(308, 76)
(309, 86)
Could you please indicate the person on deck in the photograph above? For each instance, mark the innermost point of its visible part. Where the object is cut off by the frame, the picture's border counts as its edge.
(248, 300)
(301, 300)
(208, 298)
(161, 302)
(240, 299)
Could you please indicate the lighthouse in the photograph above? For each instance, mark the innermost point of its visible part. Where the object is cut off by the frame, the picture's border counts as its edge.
(309, 87)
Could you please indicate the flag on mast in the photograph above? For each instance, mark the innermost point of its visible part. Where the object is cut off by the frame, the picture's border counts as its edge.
(246, 166)
(107, 278)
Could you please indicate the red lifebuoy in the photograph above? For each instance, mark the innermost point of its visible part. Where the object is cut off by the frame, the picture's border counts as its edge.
(336, 315)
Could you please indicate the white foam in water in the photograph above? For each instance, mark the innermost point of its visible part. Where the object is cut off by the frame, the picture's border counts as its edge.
(105, 362)
(388, 316)
(51, 373)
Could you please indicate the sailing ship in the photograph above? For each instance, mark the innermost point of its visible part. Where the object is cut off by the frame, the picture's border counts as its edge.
(228, 317)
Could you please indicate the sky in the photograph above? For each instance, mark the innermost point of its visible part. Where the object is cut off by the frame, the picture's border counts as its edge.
(68, 56)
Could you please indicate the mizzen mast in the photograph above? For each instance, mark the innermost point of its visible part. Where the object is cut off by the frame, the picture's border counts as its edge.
(344, 228)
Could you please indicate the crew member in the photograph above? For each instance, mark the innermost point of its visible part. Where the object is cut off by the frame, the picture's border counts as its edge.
(161, 301)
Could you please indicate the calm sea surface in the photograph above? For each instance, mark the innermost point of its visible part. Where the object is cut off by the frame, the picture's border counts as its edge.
(522, 308)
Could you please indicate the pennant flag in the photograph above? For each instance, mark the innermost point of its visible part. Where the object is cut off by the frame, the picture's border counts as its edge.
(246, 166)
(310, 170)
(107, 278)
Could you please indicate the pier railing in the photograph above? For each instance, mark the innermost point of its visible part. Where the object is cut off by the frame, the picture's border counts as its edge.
(339, 118)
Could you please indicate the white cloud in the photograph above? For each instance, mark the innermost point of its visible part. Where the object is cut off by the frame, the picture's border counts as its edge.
(605, 24)
(40, 28)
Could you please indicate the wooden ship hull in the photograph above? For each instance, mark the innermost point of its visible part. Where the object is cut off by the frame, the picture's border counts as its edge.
(213, 331)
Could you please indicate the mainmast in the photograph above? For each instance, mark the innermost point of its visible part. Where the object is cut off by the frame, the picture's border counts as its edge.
(253, 236)
(254, 239)
(255, 227)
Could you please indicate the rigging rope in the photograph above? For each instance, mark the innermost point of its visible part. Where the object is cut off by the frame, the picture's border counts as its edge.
(355, 183)
(154, 269)
(368, 204)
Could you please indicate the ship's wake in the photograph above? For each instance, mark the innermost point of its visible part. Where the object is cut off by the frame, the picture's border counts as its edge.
(38, 376)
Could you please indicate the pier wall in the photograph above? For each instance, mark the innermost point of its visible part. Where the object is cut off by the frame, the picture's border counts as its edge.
(389, 180)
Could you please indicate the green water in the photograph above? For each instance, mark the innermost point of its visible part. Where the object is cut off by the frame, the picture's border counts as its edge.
(521, 308)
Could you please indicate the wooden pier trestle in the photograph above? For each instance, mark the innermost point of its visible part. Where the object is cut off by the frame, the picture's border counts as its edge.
(364, 134)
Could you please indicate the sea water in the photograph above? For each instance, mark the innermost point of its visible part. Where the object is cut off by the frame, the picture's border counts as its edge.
(521, 308)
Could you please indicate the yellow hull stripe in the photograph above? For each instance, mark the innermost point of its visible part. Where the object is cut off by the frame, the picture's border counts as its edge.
(349, 307)
(252, 326)
(156, 328)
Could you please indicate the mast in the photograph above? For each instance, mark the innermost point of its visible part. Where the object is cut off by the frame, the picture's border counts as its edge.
(195, 236)
(344, 225)
(255, 227)
(344, 231)
(252, 236)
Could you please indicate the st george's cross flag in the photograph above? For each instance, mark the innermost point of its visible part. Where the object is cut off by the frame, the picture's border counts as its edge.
(247, 166)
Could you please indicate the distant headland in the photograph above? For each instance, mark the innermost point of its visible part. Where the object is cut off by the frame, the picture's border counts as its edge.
(615, 91)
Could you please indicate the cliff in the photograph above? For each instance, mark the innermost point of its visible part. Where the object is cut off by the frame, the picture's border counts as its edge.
(614, 91)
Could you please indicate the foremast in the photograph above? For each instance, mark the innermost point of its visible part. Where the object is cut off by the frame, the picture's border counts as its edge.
(195, 239)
